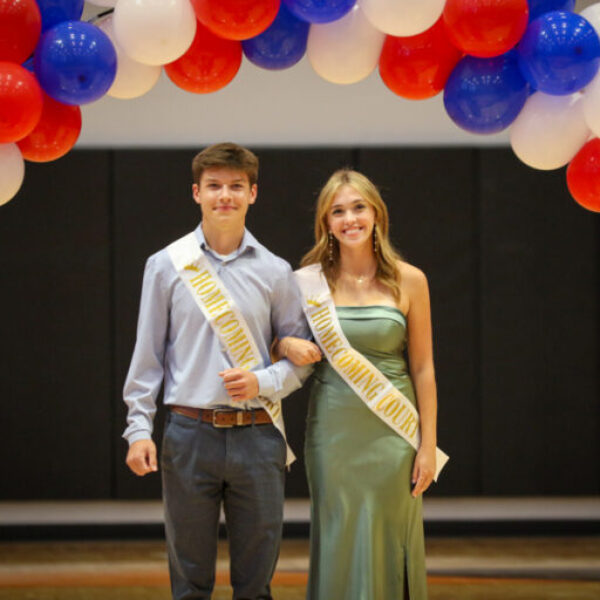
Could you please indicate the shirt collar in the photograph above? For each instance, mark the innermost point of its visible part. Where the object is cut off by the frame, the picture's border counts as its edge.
(248, 242)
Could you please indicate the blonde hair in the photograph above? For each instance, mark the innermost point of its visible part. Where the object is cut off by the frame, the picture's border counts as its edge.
(386, 256)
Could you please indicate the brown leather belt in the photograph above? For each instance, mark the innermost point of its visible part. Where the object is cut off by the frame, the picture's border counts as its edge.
(224, 417)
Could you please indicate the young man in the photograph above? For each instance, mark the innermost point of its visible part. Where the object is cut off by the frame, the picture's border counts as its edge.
(212, 303)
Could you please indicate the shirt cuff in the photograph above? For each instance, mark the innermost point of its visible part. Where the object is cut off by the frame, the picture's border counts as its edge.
(266, 383)
(137, 436)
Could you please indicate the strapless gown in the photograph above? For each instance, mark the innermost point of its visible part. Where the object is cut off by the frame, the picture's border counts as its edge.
(366, 529)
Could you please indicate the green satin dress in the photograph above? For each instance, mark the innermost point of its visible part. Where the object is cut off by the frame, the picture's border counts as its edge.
(366, 529)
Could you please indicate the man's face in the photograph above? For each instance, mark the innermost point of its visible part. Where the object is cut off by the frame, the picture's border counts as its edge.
(224, 195)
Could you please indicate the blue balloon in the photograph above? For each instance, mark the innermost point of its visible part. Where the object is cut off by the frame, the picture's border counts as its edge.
(485, 95)
(281, 45)
(538, 7)
(319, 11)
(57, 11)
(28, 64)
(559, 53)
(75, 62)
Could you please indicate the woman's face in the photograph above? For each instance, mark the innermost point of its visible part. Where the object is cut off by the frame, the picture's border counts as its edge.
(351, 219)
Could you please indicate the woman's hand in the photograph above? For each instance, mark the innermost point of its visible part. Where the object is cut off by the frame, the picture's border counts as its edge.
(423, 470)
(298, 351)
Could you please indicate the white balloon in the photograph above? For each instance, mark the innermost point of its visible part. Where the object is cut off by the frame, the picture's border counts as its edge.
(549, 130)
(591, 104)
(12, 171)
(133, 79)
(403, 18)
(346, 50)
(154, 32)
(592, 14)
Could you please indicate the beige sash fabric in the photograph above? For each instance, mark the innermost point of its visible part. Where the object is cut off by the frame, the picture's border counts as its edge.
(226, 320)
(367, 381)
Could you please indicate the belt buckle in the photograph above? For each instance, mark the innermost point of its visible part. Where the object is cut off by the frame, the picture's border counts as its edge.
(239, 420)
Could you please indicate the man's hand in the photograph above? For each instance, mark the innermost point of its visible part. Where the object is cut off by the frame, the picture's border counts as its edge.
(240, 384)
(141, 458)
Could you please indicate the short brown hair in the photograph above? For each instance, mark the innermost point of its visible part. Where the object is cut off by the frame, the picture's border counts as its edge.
(227, 155)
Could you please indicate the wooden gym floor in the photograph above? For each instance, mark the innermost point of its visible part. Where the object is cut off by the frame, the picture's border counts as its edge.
(482, 567)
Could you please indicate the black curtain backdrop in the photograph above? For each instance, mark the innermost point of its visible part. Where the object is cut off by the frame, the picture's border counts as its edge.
(513, 265)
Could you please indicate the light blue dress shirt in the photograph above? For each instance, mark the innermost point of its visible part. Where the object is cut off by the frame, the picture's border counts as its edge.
(176, 344)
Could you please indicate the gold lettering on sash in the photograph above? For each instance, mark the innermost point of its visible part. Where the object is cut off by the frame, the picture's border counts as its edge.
(246, 361)
(335, 353)
(202, 279)
(273, 408)
(240, 348)
(371, 392)
(321, 318)
(312, 301)
(230, 325)
(409, 422)
(212, 297)
(236, 339)
(328, 334)
(227, 313)
(330, 347)
(346, 359)
(357, 371)
(237, 342)
(392, 408)
(215, 302)
(233, 335)
(322, 322)
(384, 400)
(398, 416)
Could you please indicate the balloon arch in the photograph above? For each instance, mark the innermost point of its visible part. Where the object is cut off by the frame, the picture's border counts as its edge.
(530, 65)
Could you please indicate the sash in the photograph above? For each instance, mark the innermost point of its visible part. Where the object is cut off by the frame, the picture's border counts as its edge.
(225, 318)
(365, 379)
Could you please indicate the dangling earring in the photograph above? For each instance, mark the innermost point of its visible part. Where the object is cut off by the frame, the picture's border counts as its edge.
(375, 241)
(330, 247)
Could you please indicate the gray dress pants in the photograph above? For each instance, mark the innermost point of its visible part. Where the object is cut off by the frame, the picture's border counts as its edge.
(241, 468)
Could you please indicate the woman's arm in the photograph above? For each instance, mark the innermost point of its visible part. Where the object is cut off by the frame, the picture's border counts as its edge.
(297, 350)
(420, 356)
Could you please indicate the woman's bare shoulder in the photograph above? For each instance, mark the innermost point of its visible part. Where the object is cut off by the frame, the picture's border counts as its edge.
(411, 275)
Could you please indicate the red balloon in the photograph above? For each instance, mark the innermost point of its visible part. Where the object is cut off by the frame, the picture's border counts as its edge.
(418, 66)
(236, 19)
(583, 176)
(209, 64)
(20, 102)
(485, 28)
(55, 134)
(20, 26)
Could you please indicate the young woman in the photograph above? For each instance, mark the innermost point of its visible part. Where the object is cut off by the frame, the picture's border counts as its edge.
(365, 480)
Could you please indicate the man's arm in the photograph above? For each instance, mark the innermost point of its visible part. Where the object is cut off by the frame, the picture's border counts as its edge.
(146, 371)
(287, 319)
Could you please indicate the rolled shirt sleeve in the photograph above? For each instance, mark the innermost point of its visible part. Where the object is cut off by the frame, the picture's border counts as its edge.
(287, 319)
